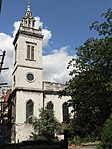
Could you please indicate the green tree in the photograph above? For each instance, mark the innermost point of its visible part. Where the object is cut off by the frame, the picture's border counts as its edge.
(45, 126)
(91, 85)
(106, 135)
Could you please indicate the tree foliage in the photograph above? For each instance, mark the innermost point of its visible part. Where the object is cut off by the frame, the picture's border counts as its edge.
(104, 28)
(91, 85)
(45, 126)
(106, 135)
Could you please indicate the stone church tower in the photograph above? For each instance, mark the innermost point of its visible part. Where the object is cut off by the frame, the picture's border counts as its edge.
(29, 91)
(27, 74)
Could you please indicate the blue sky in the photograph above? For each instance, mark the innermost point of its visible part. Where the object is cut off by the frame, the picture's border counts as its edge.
(66, 25)
(68, 20)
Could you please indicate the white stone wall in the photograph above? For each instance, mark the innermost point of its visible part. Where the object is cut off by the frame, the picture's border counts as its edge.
(22, 52)
(21, 99)
(22, 65)
(57, 102)
(52, 89)
(21, 80)
(23, 129)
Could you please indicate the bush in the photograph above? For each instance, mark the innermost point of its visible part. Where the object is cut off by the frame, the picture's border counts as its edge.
(46, 126)
(106, 135)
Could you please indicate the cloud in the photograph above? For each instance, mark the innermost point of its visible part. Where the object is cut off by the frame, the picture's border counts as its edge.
(55, 66)
(38, 22)
(16, 27)
(47, 36)
(6, 45)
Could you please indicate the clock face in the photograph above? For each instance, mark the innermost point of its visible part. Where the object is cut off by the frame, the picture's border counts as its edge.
(30, 77)
(28, 14)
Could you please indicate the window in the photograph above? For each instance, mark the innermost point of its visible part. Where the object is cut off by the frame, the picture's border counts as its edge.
(50, 105)
(30, 52)
(29, 23)
(29, 111)
(25, 22)
(33, 23)
(65, 112)
(30, 77)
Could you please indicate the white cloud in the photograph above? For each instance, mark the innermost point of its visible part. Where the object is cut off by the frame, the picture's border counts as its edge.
(6, 45)
(16, 27)
(55, 66)
(38, 22)
(47, 36)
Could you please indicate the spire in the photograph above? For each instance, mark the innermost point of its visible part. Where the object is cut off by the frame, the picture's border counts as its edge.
(28, 2)
(28, 9)
(28, 12)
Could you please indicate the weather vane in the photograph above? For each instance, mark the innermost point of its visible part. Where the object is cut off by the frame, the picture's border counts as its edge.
(29, 2)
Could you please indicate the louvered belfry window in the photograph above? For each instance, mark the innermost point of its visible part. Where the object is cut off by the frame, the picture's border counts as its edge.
(30, 52)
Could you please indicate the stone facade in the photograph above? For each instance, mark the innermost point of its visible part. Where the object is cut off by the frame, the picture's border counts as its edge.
(29, 91)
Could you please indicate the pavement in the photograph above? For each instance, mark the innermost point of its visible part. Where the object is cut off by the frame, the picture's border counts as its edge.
(92, 146)
(82, 147)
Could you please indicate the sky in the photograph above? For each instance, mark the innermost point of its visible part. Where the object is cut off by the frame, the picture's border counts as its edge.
(65, 26)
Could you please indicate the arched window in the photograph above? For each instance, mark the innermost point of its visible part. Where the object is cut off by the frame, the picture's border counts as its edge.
(65, 112)
(29, 111)
(50, 105)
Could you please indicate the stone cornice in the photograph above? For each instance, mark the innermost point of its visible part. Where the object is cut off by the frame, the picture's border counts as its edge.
(28, 34)
(26, 67)
(28, 89)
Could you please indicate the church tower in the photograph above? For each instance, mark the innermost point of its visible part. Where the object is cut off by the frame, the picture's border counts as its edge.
(29, 92)
(27, 76)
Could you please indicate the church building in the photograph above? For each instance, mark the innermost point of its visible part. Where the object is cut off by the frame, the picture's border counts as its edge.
(29, 92)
